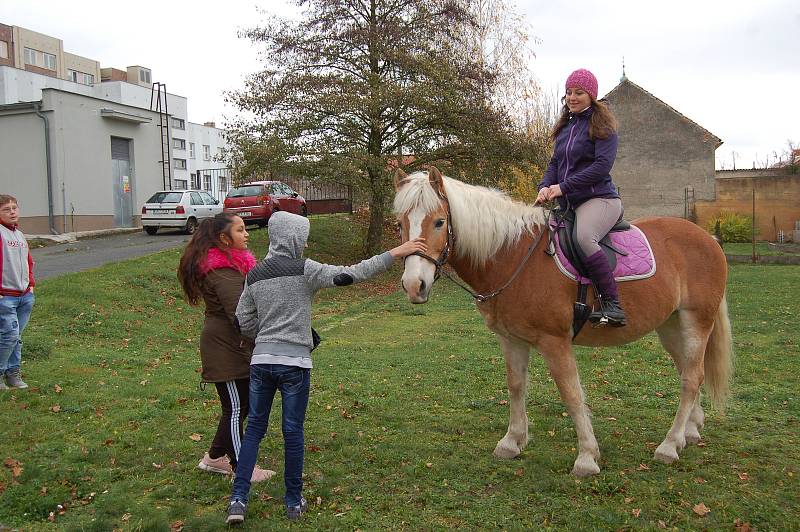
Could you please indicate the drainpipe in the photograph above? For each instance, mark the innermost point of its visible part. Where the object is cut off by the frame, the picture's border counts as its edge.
(37, 107)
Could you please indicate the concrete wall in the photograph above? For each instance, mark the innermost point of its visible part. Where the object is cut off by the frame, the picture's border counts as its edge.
(23, 172)
(82, 64)
(7, 36)
(777, 200)
(660, 153)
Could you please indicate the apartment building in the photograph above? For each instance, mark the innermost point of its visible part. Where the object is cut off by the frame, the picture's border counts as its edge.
(80, 146)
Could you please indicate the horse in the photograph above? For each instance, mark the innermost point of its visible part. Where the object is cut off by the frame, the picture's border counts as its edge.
(495, 245)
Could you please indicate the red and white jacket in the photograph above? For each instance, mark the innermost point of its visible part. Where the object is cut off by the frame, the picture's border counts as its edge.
(16, 263)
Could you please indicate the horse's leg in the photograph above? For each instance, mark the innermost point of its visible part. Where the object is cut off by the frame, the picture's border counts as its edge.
(672, 340)
(516, 354)
(561, 361)
(693, 338)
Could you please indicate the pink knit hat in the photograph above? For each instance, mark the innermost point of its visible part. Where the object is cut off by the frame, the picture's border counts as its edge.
(583, 79)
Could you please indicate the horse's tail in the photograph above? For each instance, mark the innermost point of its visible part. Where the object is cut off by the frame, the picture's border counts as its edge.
(719, 358)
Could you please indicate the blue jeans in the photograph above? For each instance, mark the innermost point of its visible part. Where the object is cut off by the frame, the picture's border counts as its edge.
(14, 314)
(294, 384)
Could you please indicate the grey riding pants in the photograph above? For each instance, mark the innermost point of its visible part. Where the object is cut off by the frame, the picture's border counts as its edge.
(595, 218)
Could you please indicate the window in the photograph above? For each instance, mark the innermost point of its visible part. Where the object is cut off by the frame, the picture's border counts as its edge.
(49, 61)
(144, 75)
(180, 164)
(207, 182)
(196, 198)
(196, 181)
(178, 144)
(30, 56)
(209, 199)
(80, 77)
(178, 123)
(191, 151)
(223, 183)
(180, 184)
(220, 154)
(3, 49)
(206, 152)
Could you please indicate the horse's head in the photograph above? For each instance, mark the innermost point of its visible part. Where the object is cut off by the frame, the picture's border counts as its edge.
(422, 210)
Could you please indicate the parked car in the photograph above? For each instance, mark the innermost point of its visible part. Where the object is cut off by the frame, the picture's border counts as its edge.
(178, 208)
(255, 202)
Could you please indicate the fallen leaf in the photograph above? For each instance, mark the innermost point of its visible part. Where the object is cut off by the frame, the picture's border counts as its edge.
(610, 418)
(636, 512)
(659, 394)
(125, 517)
(319, 501)
(699, 480)
(14, 465)
(662, 524)
(739, 526)
(519, 472)
(157, 466)
(643, 467)
(177, 526)
(429, 465)
(628, 500)
(313, 448)
(55, 408)
(503, 402)
(744, 476)
(701, 509)
(43, 491)
(195, 437)
(57, 388)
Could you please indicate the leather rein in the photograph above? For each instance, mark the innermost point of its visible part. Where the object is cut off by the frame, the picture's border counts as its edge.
(445, 254)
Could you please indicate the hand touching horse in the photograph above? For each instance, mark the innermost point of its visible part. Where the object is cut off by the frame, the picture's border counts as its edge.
(485, 237)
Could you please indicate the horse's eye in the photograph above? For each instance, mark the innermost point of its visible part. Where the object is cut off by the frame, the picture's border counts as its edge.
(439, 223)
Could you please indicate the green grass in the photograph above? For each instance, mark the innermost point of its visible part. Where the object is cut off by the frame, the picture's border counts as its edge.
(407, 404)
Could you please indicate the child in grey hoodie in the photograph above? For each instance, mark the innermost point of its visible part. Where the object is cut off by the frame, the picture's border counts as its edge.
(275, 309)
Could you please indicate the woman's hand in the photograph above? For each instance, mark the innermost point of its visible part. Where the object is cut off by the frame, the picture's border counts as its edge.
(542, 197)
(409, 248)
(554, 191)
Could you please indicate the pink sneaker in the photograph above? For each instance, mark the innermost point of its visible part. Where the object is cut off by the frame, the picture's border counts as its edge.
(220, 465)
(260, 475)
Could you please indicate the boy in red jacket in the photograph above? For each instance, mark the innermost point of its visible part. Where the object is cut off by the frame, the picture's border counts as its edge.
(16, 292)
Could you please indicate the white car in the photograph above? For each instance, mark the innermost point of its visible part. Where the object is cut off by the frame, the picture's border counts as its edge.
(178, 208)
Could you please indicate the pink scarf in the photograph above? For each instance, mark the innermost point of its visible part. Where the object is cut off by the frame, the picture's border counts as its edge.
(241, 260)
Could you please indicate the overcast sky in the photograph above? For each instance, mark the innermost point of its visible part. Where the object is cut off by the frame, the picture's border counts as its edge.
(731, 66)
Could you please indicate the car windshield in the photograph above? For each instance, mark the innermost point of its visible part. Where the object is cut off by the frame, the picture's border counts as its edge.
(238, 192)
(166, 197)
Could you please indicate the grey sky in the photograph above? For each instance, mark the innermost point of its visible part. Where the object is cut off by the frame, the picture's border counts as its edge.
(731, 66)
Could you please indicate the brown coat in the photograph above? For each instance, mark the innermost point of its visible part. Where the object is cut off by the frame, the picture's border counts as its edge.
(224, 352)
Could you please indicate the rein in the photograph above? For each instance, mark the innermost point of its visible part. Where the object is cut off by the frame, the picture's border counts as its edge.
(451, 239)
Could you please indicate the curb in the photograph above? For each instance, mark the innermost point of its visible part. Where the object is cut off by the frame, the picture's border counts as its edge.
(80, 235)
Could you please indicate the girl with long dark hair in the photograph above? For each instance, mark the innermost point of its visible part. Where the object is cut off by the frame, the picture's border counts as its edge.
(213, 269)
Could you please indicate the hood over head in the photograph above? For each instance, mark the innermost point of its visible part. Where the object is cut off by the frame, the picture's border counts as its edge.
(288, 234)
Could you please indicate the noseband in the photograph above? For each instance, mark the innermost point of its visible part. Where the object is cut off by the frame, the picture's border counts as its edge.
(445, 254)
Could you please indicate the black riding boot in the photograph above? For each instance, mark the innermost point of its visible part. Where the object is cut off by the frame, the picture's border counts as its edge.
(610, 311)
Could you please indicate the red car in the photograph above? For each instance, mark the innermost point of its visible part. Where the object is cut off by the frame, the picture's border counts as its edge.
(255, 202)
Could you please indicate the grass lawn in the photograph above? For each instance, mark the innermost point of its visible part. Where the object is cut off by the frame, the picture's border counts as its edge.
(406, 406)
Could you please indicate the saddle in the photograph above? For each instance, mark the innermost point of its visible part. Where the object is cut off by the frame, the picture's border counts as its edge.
(626, 247)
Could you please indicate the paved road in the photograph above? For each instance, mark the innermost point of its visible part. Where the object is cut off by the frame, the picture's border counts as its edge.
(58, 259)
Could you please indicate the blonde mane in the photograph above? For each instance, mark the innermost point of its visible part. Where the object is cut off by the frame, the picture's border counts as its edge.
(484, 219)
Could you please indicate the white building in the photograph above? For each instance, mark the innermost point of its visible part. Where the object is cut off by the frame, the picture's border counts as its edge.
(81, 148)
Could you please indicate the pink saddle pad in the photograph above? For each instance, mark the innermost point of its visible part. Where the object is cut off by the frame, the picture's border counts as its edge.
(639, 263)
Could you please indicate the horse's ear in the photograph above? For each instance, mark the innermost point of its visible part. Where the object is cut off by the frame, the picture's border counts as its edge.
(399, 175)
(435, 177)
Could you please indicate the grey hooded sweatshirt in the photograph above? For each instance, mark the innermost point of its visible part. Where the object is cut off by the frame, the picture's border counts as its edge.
(275, 306)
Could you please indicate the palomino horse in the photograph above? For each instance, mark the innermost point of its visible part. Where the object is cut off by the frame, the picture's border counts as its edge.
(488, 238)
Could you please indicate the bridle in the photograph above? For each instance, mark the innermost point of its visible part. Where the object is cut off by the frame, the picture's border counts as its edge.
(445, 254)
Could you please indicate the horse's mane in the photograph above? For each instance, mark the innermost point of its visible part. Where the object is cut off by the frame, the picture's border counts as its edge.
(484, 219)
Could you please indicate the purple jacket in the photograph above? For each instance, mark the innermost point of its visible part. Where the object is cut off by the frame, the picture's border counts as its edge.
(580, 165)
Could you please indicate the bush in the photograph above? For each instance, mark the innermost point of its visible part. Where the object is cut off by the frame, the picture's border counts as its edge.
(734, 227)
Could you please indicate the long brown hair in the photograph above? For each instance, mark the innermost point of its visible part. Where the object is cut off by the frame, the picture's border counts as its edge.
(601, 124)
(205, 237)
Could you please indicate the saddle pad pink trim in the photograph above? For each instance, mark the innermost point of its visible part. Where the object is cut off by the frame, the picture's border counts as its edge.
(639, 263)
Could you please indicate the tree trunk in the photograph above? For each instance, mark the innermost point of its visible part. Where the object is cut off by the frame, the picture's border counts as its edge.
(374, 238)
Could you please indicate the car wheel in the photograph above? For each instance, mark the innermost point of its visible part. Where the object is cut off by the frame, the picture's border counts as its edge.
(151, 229)
(191, 225)
(304, 210)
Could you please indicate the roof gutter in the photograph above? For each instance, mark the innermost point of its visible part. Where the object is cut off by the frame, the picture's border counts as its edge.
(37, 107)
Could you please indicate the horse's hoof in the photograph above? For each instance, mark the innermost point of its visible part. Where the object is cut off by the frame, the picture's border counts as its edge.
(665, 454)
(692, 436)
(506, 451)
(585, 467)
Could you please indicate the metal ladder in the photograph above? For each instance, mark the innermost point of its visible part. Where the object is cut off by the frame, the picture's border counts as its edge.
(158, 103)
